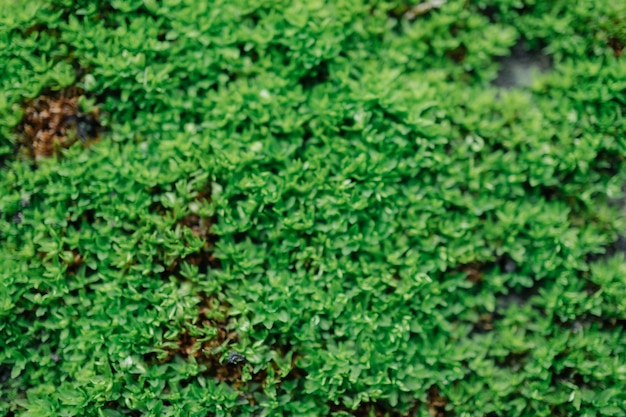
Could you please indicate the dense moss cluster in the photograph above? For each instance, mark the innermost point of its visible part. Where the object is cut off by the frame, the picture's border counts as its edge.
(311, 208)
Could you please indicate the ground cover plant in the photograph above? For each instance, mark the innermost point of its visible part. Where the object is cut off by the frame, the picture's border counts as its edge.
(312, 208)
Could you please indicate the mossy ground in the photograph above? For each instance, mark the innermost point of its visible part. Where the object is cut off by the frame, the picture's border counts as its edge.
(311, 208)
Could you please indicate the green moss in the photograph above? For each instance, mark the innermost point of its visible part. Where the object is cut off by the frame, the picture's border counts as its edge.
(334, 192)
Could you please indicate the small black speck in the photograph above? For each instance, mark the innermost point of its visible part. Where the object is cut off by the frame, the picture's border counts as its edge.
(17, 219)
(235, 358)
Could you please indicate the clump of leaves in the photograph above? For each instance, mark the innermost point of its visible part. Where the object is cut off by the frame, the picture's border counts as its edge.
(312, 208)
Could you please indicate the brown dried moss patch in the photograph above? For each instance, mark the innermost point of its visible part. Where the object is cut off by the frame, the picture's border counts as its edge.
(617, 46)
(474, 272)
(53, 121)
(436, 402)
(195, 339)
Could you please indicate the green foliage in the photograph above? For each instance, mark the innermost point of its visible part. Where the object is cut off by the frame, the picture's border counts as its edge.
(383, 222)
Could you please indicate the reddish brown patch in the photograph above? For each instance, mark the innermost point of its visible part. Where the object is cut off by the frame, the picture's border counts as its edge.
(211, 312)
(75, 263)
(473, 271)
(212, 315)
(223, 371)
(72, 264)
(296, 372)
(485, 322)
(214, 353)
(200, 226)
(617, 46)
(457, 54)
(436, 403)
(54, 121)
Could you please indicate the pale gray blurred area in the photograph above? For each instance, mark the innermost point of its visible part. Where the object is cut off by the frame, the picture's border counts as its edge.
(517, 70)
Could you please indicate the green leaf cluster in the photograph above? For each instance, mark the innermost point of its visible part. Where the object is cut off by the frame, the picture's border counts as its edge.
(337, 189)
